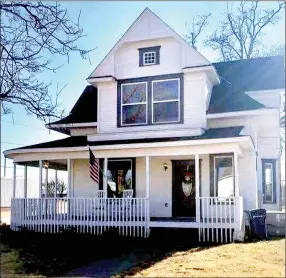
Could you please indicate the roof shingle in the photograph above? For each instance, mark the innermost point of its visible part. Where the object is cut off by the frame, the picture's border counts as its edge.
(238, 77)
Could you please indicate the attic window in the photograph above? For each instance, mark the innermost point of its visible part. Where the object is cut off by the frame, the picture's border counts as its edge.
(149, 56)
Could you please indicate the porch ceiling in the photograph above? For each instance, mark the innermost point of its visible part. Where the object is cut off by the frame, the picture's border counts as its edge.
(59, 164)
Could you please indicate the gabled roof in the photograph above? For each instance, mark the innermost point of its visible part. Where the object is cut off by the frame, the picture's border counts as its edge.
(81, 141)
(238, 77)
(84, 110)
(140, 30)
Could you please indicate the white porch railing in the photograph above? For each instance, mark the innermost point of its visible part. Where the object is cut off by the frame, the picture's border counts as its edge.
(85, 215)
(219, 218)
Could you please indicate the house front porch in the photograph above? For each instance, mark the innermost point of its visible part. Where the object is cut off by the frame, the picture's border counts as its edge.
(196, 184)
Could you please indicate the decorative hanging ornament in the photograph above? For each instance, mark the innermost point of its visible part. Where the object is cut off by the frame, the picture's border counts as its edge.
(187, 184)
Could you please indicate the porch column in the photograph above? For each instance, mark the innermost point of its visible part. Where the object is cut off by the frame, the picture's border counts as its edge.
(69, 177)
(40, 177)
(197, 177)
(105, 164)
(46, 182)
(236, 175)
(147, 173)
(14, 180)
(56, 183)
(25, 181)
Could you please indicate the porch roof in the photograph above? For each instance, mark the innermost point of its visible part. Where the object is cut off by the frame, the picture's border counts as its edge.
(81, 141)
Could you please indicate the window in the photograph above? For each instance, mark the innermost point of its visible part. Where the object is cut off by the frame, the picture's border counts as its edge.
(149, 56)
(165, 101)
(150, 100)
(223, 176)
(134, 103)
(120, 176)
(269, 180)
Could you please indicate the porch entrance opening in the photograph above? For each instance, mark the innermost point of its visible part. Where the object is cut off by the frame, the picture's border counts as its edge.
(184, 188)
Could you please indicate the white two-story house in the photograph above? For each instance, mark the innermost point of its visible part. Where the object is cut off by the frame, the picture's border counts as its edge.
(181, 142)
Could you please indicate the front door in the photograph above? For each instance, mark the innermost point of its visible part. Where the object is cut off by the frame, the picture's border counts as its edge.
(184, 189)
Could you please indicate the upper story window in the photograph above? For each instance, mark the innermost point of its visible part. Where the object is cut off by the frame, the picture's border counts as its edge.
(149, 56)
(150, 100)
(269, 180)
(166, 101)
(134, 103)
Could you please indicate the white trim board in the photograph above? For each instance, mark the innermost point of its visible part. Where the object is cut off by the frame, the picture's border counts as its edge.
(71, 125)
(262, 111)
(134, 146)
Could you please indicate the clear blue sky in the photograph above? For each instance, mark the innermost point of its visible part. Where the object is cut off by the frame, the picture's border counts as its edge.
(104, 23)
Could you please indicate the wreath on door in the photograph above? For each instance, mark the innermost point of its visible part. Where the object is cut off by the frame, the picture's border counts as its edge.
(187, 184)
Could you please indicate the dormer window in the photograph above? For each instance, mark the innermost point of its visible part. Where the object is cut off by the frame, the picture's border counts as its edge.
(149, 56)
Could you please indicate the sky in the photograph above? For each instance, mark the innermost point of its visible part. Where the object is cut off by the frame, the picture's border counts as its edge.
(104, 23)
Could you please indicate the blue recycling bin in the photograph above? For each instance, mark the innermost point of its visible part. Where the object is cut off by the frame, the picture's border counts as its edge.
(257, 223)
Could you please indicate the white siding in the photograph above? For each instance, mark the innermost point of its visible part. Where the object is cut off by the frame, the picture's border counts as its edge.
(161, 181)
(194, 112)
(146, 28)
(83, 185)
(268, 146)
(127, 59)
(82, 131)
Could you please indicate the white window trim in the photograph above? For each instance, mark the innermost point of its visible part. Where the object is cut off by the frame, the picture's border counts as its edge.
(119, 160)
(135, 103)
(272, 180)
(144, 56)
(215, 178)
(164, 101)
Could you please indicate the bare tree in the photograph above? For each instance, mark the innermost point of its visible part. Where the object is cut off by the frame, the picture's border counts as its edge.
(240, 31)
(194, 31)
(274, 50)
(33, 34)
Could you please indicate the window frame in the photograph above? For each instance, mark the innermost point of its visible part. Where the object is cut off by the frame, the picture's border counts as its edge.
(143, 50)
(272, 162)
(144, 57)
(215, 191)
(148, 80)
(133, 171)
(165, 101)
(135, 103)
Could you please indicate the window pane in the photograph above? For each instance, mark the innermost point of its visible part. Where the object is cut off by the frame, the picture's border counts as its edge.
(165, 90)
(166, 112)
(268, 181)
(224, 177)
(134, 114)
(134, 93)
(149, 58)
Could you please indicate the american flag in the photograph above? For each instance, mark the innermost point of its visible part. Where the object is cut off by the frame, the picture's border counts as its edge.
(93, 167)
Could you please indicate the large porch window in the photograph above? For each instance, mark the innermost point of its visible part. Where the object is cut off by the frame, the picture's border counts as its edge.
(120, 177)
(223, 176)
